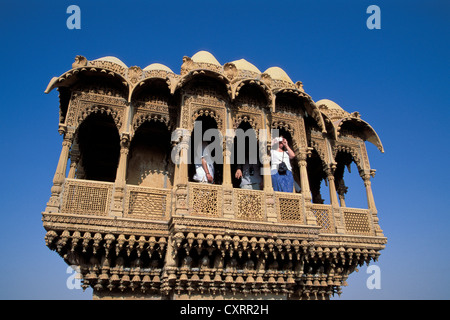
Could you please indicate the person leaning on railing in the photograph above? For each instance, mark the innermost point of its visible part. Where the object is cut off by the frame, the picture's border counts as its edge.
(249, 175)
(204, 167)
(281, 169)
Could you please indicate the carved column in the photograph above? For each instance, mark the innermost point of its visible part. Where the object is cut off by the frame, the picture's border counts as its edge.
(337, 211)
(267, 176)
(227, 147)
(117, 208)
(367, 184)
(74, 160)
(371, 201)
(332, 187)
(180, 155)
(79, 173)
(264, 150)
(228, 211)
(304, 181)
(60, 174)
(265, 146)
(306, 191)
(342, 190)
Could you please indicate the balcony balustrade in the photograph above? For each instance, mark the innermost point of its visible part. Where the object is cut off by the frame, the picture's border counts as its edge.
(88, 197)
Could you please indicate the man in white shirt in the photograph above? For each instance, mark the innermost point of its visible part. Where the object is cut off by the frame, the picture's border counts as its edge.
(204, 165)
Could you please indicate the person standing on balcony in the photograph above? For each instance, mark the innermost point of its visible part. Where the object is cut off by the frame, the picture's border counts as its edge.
(250, 175)
(281, 169)
(204, 166)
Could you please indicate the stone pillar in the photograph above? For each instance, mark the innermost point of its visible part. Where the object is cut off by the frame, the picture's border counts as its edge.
(333, 195)
(119, 184)
(60, 173)
(264, 154)
(371, 202)
(227, 185)
(342, 190)
(80, 174)
(304, 181)
(267, 176)
(74, 160)
(337, 211)
(227, 147)
(180, 155)
(367, 184)
(306, 191)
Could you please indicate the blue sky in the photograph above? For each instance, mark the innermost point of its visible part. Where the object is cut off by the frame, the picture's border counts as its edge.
(396, 77)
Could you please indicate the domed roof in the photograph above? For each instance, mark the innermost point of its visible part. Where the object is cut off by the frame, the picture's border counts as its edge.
(243, 64)
(278, 74)
(205, 57)
(329, 104)
(157, 66)
(114, 60)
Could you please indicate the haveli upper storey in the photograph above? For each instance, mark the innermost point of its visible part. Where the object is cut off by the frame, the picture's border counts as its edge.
(119, 125)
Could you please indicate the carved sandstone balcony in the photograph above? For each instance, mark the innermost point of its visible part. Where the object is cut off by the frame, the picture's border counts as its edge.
(149, 233)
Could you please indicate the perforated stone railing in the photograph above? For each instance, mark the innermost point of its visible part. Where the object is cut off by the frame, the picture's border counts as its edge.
(289, 208)
(205, 200)
(249, 205)
(147, 203)
(86, 197)
(324, 217)
(358, 221)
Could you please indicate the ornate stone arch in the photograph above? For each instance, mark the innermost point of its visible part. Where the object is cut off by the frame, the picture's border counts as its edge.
(321, 149)
(141, 118)
(218, 116)
(92, 109)
(237, 86)
(149, 76)
(353, 150)
(184, 80)
(294, 126)
(360, 127)
(251, 119)
(82, 104)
